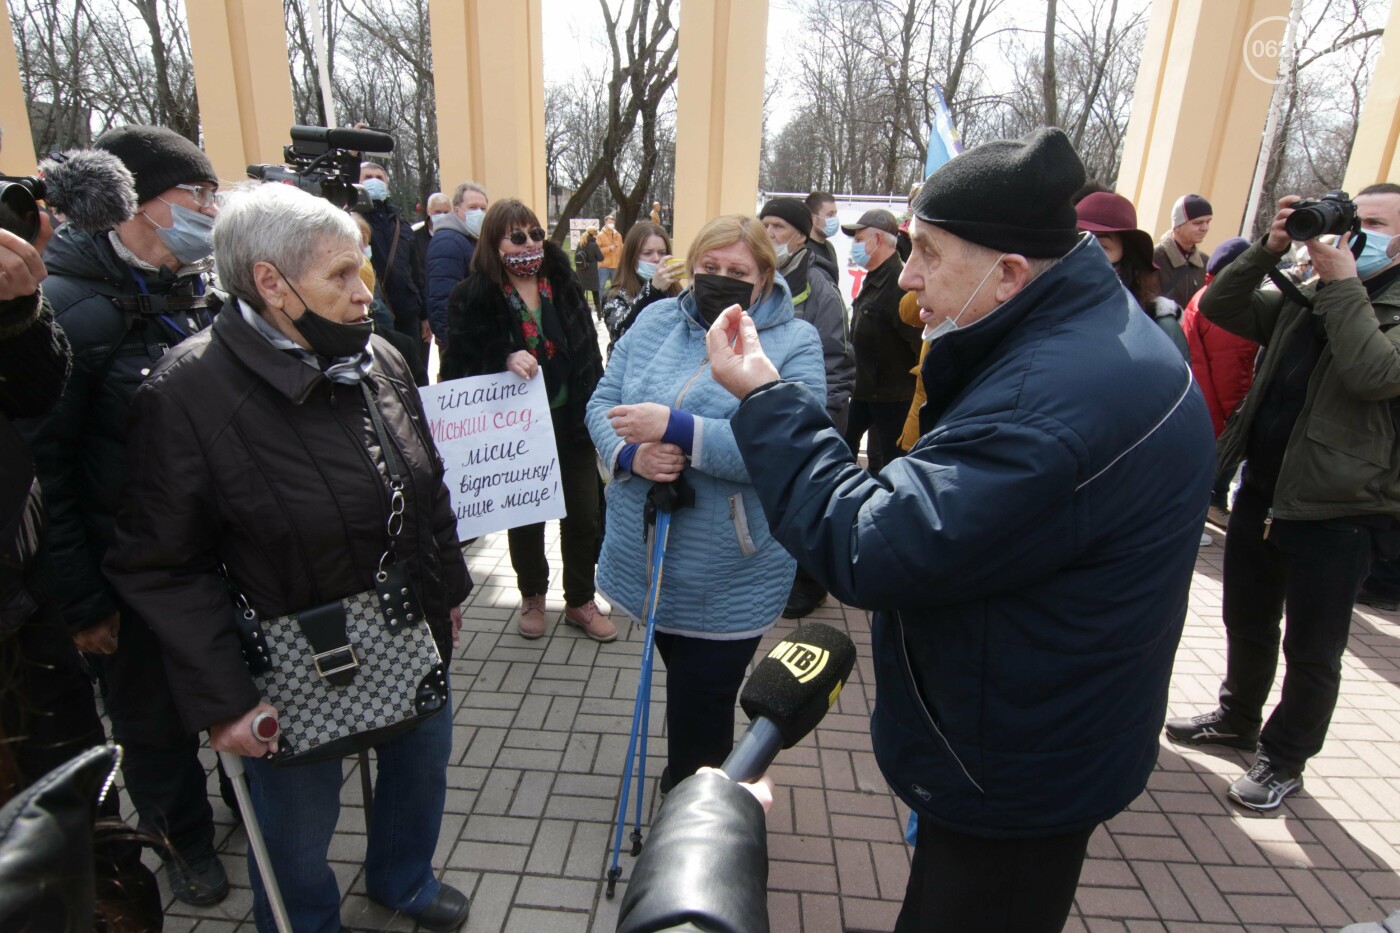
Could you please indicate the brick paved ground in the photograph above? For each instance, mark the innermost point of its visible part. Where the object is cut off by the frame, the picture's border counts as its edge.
(541, 734)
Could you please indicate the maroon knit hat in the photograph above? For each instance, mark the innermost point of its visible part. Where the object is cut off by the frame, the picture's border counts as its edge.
(1106, 212)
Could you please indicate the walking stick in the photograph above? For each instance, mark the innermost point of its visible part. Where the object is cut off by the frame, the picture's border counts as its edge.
(662, 500)
(233, 764)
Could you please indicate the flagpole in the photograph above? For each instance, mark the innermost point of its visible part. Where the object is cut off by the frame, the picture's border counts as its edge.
(322, 57)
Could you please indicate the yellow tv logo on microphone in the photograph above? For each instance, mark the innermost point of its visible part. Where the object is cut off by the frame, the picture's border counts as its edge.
(803, 661)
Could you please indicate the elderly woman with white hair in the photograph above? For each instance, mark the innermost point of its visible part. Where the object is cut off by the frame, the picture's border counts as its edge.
(257, 453)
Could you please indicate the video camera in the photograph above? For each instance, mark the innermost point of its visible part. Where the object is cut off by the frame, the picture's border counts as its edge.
(19, 208)
(1333, 213)
(326, 163)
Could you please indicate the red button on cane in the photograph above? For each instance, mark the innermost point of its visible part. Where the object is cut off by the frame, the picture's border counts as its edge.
(265, 727)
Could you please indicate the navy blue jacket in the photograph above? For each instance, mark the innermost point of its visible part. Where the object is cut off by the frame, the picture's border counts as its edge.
(1028, 562)
(450, 254)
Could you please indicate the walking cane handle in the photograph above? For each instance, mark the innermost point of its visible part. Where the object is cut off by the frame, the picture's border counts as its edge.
(265, 727)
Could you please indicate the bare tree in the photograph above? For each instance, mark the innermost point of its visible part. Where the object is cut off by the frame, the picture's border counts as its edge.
(384, 77)
(865, 87)
(643, 71)
(92, 64)
(1335, 52)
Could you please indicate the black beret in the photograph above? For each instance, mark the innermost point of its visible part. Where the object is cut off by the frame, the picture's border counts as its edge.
(792, 210)
(1010, 195)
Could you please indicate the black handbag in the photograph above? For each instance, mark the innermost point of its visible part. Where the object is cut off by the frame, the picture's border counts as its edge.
(349, 674)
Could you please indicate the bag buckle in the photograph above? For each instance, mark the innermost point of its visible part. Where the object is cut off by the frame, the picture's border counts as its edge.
(340, 654)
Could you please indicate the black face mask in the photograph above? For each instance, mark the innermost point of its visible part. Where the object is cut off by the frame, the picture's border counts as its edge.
(328, 338)
(714, 293)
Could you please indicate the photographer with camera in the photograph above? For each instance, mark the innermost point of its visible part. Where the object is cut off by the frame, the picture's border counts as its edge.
(1319, 498)
(124, 295)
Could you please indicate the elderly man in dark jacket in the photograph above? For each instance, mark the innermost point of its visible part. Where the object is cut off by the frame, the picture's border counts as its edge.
(1319, 497)
(886, 348)
(391, 247)
(1029, 560)
(124, 298)
(450, 251)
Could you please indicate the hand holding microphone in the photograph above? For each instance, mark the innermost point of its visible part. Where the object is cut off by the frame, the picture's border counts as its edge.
(788, 694)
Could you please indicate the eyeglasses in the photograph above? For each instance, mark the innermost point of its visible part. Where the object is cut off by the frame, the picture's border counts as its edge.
(519, 238)
(202, 195)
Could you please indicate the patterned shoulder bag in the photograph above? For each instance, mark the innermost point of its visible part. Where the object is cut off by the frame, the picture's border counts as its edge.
(349, 674)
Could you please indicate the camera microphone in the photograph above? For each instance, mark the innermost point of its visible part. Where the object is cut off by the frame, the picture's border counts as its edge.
(788, 694)
(341, 138)
(92, 188)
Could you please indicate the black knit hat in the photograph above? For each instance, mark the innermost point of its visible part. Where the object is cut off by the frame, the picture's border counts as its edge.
(159, 158)
(792, 210)
(1010, 195)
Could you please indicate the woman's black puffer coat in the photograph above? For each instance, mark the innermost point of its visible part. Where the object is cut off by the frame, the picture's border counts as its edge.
(483, 330)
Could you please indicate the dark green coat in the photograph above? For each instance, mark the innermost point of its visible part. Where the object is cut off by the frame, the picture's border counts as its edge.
(1341, 458)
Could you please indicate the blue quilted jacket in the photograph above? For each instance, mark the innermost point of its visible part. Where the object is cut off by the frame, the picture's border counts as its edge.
(725, 576)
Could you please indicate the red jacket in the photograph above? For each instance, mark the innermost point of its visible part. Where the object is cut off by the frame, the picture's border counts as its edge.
(1222, 362)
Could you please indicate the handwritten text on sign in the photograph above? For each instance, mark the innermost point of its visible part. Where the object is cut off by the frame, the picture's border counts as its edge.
(496, 437)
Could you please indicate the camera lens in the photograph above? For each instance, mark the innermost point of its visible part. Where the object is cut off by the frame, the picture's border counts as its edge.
(1305, 223)
(19, 212)
(1311, 219)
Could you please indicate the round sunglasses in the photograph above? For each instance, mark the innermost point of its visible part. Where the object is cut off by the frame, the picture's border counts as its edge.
(519, 237)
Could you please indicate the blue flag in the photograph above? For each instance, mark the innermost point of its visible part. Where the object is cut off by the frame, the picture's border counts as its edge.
(943, 139)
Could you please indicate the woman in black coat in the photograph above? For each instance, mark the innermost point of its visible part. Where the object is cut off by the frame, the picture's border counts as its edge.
(586, 259)
(522, 309)
(280, 452)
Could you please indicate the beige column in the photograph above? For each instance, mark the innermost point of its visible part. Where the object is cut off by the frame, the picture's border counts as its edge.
(18, 155)
(243, 81)
(488, 73)
(1202, 97)
(719, 111)
(1375, 156)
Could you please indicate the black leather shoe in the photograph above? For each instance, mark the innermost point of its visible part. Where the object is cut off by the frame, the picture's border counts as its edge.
(200, 882)
(805, 597)
(447, 912)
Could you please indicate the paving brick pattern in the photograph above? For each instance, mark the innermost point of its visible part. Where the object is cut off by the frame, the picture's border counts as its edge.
(541, 733)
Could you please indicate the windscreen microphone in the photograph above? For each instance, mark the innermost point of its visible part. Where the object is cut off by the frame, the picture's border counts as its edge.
(92, 188)
(788, 694)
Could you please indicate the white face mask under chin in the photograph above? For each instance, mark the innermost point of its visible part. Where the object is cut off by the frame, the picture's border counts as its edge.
(949, 324)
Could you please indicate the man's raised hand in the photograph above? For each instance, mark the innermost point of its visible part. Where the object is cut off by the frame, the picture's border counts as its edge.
(737, 360)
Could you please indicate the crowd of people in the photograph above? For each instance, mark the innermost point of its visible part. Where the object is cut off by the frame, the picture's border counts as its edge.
(213, 406)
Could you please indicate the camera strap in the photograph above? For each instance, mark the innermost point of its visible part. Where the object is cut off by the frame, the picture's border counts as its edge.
(389, 271)
(1289, 290)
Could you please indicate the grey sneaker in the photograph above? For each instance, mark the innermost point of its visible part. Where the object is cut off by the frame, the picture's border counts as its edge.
(1265, 785)
(1210, 729)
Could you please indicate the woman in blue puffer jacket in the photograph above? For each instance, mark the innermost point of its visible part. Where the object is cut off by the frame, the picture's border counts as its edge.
(657, 412)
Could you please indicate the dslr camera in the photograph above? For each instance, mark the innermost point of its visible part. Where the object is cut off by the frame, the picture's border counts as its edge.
(326, 162)
(19, 204)
(1333, 213)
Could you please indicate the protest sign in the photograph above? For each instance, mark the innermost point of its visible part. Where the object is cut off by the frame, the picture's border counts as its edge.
(497, 440)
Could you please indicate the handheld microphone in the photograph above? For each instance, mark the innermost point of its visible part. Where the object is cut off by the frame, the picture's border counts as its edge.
(788, 694)
(92, 188)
